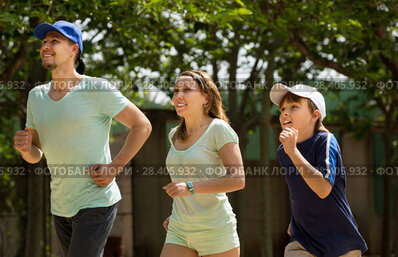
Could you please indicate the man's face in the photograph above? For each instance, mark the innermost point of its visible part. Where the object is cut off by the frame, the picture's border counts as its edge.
(57, 50)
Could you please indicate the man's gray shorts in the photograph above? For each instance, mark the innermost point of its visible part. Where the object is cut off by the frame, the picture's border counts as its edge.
(85, 234)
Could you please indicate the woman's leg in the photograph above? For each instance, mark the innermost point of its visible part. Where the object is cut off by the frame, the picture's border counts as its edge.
(174, 250)
(231, 253)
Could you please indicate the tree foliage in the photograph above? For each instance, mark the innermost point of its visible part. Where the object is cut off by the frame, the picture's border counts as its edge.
(245, 45)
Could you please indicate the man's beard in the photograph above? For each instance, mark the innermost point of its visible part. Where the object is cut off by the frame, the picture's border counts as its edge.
(49, 66)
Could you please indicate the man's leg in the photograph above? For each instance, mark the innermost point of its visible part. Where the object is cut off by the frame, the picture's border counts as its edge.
(63, 229)
(91, 228)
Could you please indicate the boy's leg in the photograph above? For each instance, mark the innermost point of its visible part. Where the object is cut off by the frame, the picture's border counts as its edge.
(91, 228)
(295, 249)
(63, 229)
(354, 253)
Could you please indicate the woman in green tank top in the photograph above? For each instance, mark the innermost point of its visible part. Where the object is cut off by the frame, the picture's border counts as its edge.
(204, 163)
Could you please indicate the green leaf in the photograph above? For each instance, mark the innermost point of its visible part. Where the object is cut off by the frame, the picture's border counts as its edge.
(355, 23)
(244, 11)
(240, 3)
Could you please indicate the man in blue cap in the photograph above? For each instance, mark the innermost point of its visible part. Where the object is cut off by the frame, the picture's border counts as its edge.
(69, 120)
(67, 30)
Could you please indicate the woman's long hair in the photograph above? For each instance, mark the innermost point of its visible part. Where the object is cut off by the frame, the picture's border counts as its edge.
(213, 108)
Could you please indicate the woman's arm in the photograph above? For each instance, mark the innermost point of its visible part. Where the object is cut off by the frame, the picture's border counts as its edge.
(233, 180)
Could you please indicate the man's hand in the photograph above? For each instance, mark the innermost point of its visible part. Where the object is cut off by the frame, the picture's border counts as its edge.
(102, 174)
(288, 138)
(177, 189)
(23, 140)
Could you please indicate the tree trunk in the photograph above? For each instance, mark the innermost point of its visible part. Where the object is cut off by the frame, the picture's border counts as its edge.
(214, 60)
(34, 230)
(386, 246)
(35, 215)
(232, 92)
(265, 125)
(396, 213)
(237, 125)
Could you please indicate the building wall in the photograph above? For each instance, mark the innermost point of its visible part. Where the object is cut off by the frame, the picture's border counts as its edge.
(357, 156)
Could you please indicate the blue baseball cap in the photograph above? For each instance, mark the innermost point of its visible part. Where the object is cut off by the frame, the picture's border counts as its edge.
(67, 29)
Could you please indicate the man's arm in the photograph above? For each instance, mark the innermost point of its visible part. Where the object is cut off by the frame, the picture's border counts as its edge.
(27, 142)
(140, 129)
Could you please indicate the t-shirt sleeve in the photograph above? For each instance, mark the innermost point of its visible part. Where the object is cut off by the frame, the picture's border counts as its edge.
(29, 117)
(223, 134)
(329, 151)
(111, 100)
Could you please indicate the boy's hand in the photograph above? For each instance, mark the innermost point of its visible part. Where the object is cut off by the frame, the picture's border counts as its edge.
(288, 138)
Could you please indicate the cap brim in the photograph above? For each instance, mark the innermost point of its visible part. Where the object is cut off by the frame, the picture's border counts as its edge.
(42, 29)
(278, 91)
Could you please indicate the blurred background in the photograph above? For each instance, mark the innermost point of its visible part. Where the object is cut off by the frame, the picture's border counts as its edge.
(347, 49)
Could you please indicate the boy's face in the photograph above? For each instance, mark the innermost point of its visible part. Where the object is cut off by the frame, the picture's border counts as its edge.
(297, 115)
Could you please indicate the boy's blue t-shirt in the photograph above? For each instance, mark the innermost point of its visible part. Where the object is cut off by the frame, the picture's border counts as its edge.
(325, 227)
(74, 134)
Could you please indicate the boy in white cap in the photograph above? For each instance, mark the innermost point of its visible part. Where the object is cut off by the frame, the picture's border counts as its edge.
(322, 223)
(69, 120)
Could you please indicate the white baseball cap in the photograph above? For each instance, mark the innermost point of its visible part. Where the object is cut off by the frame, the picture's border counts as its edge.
(278, 91)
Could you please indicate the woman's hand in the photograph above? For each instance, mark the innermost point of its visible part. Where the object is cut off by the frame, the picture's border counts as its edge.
(176, 189)
(166, 223)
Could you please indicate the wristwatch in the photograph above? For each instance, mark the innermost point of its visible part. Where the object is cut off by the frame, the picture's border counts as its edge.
(190, 187)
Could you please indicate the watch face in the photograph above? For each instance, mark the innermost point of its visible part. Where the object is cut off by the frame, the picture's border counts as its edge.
(190, 187)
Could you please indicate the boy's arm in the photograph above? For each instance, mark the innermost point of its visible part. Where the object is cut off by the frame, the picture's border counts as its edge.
(313, 177)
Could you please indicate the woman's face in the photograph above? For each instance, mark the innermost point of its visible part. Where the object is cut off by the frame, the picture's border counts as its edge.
(188, 99)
